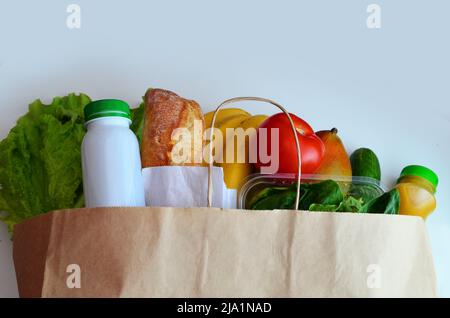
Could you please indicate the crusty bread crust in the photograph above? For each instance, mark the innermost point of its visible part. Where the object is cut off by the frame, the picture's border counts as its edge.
(164, 112)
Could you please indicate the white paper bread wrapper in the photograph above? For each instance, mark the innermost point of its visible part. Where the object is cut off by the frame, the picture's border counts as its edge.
(186, 187)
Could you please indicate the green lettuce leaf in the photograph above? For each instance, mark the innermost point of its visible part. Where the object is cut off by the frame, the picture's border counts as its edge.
(40, 160)
(137, 125)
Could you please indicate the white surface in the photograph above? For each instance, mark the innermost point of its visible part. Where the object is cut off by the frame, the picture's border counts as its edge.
(110, 146)
(386, 89)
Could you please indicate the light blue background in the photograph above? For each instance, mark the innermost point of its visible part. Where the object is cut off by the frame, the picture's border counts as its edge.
(386, 89)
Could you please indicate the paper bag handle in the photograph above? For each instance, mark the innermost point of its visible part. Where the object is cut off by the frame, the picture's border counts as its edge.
(294, 131)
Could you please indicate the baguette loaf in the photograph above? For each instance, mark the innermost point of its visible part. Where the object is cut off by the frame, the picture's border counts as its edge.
(165, 111)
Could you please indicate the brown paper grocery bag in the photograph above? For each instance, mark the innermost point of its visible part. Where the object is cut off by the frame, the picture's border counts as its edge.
(207, 252)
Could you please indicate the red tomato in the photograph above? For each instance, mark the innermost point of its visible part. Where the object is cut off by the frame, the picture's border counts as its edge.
(312, 147)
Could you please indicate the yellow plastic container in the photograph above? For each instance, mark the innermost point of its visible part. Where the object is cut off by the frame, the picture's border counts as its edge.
(417, 186)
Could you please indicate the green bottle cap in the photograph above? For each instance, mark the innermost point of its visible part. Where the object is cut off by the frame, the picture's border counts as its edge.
(421, 171)
(106, 108)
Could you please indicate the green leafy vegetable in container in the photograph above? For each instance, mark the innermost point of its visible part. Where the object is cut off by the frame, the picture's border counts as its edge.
(326, 196)
(273, 198)
(325, 193)
(349, 204)
(365, 192)
(388, 203)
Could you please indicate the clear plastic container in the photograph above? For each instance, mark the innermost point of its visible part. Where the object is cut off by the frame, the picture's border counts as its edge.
(255, 183)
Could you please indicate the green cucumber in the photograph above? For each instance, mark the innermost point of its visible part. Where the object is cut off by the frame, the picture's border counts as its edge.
(365, 164)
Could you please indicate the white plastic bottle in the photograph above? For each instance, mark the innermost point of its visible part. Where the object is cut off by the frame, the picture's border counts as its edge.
(112, 174)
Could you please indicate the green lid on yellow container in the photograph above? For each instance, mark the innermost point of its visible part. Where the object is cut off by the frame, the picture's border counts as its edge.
(421, 171)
